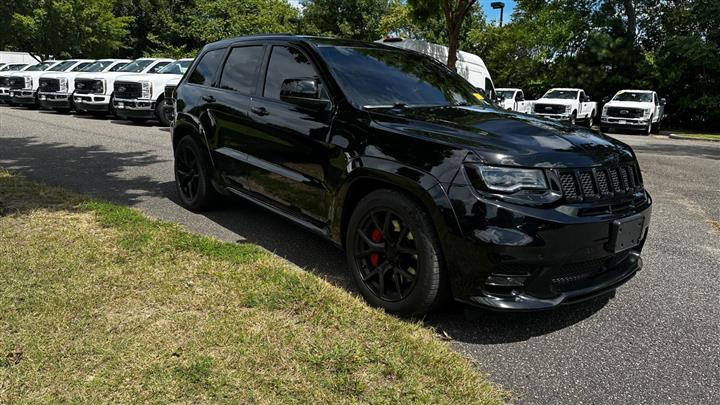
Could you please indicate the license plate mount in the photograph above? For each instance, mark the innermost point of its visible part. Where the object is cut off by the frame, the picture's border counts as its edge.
(626, 233)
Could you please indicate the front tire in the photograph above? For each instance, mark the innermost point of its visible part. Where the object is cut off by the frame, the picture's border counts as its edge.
(573, 118)
(162, 116)
(648, 130)
(394, 254)
(192, 176)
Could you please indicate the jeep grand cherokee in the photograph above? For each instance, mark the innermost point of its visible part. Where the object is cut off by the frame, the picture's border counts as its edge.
(430, 189)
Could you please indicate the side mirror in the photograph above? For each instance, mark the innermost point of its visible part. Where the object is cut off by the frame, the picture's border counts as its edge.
(663, 101)
(586, 99)
(304, 92)
(606, 100)
(521, 98)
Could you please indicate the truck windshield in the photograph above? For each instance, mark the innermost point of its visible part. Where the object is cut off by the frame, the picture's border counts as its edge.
(12, 67)
(381, 78)
(62, 66)
(176, 68)
(562, 94)
(98, 66)
(506, 94)
(137, 66)
(38, 68)
(633, 96)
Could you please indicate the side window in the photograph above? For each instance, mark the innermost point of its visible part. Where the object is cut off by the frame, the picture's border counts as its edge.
(117, 67)
(489, 88)
(655, 99)
(205, 70)
(582, 96)
(285, 63)
(240, 72)
(158, 67)
(520, 96)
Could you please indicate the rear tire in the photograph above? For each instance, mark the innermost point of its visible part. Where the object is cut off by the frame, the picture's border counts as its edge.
(192, 176)
(394, 254)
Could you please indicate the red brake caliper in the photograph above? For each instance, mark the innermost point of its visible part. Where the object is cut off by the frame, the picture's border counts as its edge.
(375, 236)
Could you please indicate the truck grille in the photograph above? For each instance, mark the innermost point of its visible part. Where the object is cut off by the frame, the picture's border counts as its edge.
(129, 90)
(49, 85)
(89, 86)
(3, 81)
(600, 183)
(169, 94)
(16, 82)
(625, 112)
(549, 109)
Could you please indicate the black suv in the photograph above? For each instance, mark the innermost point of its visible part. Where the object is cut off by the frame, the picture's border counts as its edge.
(431, 190)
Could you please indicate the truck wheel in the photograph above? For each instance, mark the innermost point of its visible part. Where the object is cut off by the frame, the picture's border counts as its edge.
(591, 119)
(648, 130)
(162, 116)
(192, 176)
(394, 254)
(573, 118)
(656, 128)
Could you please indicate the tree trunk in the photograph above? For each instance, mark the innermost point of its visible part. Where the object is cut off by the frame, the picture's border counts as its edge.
(631, 14)
(454, 17)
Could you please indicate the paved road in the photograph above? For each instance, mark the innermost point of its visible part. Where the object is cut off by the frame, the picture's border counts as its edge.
(657, 341)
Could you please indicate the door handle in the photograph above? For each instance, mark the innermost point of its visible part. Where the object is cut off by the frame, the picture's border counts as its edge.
(260, 111)
(209, 99)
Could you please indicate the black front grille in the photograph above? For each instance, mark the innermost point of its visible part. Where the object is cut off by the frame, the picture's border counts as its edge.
(571, 276)
(600, 183)
(549, 109)
(3, 81)
(16, 82)
(49, 85)
(89, 86)
(128, 90)
(169, 94)
(622, 112)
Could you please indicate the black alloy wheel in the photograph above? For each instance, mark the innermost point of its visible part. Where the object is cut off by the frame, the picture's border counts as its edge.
(394, 254)
(191, 176)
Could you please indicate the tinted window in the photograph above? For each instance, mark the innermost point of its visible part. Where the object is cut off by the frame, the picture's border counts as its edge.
(285, 63)
(118, 67)
(205, 70)
(158, 67)
(380, 78)
(241, 69)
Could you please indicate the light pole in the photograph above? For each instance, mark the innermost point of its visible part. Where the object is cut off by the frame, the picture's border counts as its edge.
(499, 5)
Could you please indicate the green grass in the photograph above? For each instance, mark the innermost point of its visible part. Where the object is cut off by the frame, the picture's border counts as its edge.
(697, 135)
(101, 304)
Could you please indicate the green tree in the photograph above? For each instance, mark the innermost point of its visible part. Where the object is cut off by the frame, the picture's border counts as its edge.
(353, 19)
(65, 28)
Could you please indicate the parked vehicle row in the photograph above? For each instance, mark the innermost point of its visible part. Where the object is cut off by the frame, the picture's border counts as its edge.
(637, 110)
(133, 90)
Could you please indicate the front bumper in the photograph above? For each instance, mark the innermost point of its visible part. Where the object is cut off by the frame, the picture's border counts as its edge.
(636, 124)
(91, 102)
(556, 117)
(25, 97)
(519, 258)
(143, 109)
(55, 100)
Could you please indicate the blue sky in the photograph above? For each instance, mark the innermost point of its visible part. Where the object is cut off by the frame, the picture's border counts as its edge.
(492, 15)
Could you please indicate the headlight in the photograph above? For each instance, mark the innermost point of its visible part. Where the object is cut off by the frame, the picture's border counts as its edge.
(28, 83)
(146, 90)
(63, 85)
(646, 112)
(507, 179)
(567, 108)
(604, 112)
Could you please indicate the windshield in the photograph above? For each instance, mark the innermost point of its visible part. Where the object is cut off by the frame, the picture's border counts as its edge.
(176, 68)
(137, 66)
(633, 96)
(38, 68)
(62, 66)
(506, 94)
(372, 77)
(12, 68)
(562, 94)
(98, 66)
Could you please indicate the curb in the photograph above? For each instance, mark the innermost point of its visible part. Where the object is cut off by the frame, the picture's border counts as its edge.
(689, 138)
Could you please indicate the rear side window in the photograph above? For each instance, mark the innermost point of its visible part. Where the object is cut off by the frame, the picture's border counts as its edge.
(205, 70)
(158, 67)
(285, 63)
(240, 72)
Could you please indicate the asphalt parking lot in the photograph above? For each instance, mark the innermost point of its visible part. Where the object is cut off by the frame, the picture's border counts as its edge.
(656, 342)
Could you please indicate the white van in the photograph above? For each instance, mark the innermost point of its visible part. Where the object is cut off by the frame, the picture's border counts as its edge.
(469, 66)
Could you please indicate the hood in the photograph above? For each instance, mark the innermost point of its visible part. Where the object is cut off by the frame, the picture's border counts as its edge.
(58, 75)
(628, 104)
(507, 138)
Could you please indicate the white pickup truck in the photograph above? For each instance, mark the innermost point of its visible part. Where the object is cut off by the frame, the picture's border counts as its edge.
(638, 110)
(141, 97)
(11, 69)
(57, 88)
(94, 91)
(24, 87)
(570, 105)
(514, 100)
